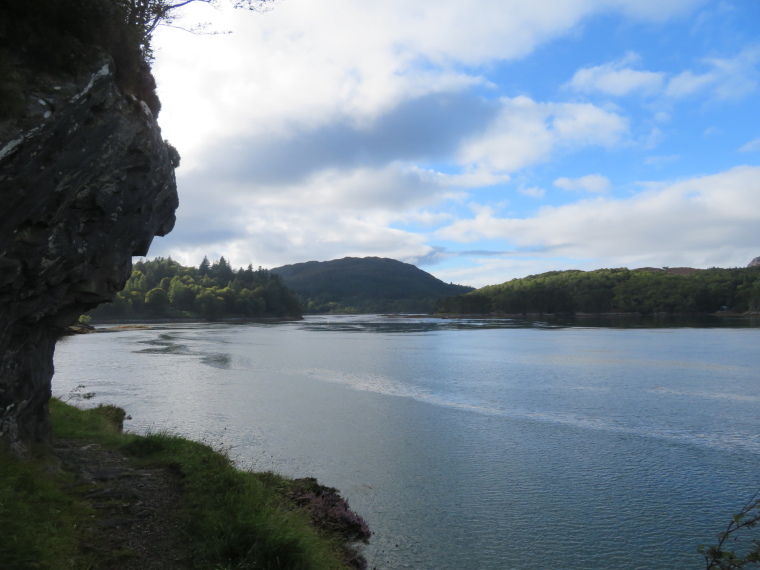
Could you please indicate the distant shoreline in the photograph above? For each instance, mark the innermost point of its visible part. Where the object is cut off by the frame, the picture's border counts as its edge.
(588, 315)
(96, 326)
(126, 324)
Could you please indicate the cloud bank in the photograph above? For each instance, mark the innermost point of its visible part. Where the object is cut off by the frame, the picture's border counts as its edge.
(480, 140)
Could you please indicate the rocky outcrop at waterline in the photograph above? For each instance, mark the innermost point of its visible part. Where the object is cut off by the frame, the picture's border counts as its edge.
(86, 182)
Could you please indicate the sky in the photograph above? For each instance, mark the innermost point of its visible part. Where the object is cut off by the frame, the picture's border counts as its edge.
(481, 141)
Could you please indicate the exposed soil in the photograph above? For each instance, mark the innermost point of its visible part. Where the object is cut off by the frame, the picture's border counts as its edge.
(134, 527)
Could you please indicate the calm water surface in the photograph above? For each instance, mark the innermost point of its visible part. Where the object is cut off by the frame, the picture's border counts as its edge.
(467, 444)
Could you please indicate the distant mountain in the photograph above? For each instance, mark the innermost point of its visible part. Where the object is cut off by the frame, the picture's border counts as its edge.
(365, 285)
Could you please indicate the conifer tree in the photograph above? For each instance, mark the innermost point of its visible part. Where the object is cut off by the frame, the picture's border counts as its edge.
(204, 267)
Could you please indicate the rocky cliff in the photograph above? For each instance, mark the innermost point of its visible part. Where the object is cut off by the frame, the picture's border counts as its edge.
(86, 182)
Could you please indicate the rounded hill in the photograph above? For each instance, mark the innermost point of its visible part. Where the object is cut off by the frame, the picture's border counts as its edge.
(365, 285)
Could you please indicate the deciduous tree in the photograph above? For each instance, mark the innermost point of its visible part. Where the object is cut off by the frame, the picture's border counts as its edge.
(726, 554)
(147, 15)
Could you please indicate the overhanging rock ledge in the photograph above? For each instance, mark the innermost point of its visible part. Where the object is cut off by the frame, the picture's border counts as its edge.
(86, 182)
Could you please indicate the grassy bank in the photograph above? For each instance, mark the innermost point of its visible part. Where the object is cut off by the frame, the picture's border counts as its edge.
(228, 518)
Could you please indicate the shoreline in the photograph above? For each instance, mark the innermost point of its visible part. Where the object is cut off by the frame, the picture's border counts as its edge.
(121, 501)
(721, 314)
(115, 325)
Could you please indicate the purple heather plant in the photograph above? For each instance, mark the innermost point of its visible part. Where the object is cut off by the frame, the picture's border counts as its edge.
(333, 511)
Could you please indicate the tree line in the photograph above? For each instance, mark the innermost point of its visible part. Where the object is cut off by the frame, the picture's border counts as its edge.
(618, 290)
(164, 288)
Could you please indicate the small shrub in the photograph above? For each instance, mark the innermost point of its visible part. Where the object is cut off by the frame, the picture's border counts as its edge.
(113, 414)
(332, 512)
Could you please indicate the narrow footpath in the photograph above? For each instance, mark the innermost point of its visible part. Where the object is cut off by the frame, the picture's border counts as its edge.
(134, 527)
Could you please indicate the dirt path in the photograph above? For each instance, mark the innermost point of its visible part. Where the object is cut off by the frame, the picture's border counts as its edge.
(134, 526)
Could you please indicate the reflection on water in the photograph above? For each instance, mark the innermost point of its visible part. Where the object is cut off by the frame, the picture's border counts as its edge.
(167, 343)
(472, 443)
(412, 325)
(218, 360)
(416, 324)
(164, 344)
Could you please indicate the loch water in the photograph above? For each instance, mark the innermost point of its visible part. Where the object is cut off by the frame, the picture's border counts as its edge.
(467, 444)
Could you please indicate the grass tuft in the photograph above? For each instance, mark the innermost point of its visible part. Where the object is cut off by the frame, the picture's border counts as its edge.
(240, 519)
(102, 422)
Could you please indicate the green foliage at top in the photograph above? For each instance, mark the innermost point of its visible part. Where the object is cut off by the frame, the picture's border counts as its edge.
(60, 35)
(55, 37)
(365, 285)
(44, 38)
(162, 288)
(616, 291)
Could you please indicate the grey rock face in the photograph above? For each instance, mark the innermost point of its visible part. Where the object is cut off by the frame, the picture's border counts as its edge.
(86, 182)
(754, 263)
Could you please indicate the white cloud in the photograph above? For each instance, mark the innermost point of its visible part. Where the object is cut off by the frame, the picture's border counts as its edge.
(616, 78)
(316, 130)
(423, 217)
(495, 270)
(653, 138)
(526, 132)
(306, 64)
(710, 220)
(395, 187)
(271, 236)
(751, 146)
(392, 188)
(333, 213)
(686, 83)
(725, 79)
(474, 176)
(499, 269)
(533, 191)
(590, 183)
(662, 117)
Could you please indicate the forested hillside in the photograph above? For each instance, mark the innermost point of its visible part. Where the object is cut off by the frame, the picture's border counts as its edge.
(164, 288)
(622, 290)
(365, 285)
